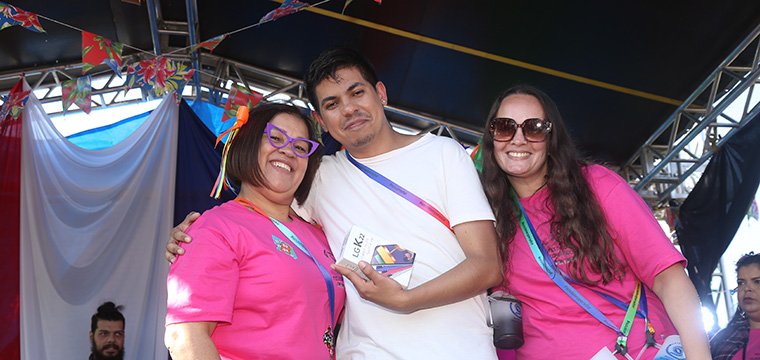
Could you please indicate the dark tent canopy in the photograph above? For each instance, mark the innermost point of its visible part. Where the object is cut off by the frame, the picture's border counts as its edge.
(617, 70)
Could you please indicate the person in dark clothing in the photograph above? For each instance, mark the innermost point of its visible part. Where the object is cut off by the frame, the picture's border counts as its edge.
(741, 337)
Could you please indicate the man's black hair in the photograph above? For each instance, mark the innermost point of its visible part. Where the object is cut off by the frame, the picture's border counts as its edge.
(331, 61)
(109, 312)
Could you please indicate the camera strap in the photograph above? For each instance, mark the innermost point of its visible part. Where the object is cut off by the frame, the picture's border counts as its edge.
(328, 337)
(560, 278)
(400, 191)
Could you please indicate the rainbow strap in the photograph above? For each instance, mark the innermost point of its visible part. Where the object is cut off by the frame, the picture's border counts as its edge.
(561, 279)
(400, 191)
(222, 182)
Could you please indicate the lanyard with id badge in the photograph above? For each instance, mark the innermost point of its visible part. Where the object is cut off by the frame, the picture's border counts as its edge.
(671, 349)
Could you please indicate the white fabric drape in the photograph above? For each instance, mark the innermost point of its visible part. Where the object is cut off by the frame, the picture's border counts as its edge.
(93, 228)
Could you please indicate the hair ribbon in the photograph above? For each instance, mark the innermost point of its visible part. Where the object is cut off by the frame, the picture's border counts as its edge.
(222, 182)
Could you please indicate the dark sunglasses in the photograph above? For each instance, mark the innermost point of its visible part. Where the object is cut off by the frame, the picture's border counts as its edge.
(279, 139)
(534, 129)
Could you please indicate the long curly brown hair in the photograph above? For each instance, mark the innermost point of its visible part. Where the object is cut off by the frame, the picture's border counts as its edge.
(578, 222)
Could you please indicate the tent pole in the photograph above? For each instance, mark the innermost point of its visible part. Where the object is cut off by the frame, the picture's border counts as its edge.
(154, 27)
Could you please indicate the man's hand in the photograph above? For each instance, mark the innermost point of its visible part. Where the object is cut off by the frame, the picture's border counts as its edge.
(177, 235)
(379, 289)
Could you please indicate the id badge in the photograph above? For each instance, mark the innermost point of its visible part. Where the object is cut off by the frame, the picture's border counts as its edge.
(671, 349)
(604, 354)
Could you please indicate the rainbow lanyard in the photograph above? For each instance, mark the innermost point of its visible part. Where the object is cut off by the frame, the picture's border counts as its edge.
(295, 240)
(552, 270)
(400, 191)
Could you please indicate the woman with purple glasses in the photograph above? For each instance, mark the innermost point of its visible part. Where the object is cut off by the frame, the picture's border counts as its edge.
(571, 230)
(260, 286)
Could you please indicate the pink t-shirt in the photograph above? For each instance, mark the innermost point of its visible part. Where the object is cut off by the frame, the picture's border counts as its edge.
(554, 325)
(268, 297)
(753, 347)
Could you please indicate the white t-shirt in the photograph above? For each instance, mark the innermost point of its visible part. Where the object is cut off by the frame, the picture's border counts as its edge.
(438, 170)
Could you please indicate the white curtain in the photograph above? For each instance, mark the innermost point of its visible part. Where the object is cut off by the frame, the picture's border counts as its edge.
(93, 228)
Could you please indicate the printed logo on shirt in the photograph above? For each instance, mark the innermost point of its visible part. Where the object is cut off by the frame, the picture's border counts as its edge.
(329, 255)
(561, 256)
(284, 247)
(338, 279)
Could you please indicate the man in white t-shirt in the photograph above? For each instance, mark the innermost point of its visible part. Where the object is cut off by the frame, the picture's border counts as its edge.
(442, 314)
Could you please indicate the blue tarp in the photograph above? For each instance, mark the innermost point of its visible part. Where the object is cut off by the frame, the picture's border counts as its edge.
(109, 135)
(197, 159)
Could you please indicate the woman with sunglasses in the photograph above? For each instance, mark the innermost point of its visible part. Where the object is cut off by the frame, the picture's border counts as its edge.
(589, 231)
(260, 286)
(741, 338)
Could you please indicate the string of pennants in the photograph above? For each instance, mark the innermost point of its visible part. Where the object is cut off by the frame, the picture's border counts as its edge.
(157, 74)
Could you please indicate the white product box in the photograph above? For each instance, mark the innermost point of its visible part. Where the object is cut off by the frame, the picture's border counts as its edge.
(386, 258)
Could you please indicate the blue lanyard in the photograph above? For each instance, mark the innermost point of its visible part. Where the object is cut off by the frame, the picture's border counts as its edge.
(552, 270)
(400, 191)
(293, 238)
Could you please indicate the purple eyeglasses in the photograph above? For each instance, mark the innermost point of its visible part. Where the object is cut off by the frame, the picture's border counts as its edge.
(279, 139)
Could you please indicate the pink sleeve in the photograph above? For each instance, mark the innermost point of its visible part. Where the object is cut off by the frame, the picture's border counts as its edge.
(202, 283)
(642, 243)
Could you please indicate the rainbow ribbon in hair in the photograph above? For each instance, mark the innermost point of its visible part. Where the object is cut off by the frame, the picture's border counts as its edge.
(222, 182)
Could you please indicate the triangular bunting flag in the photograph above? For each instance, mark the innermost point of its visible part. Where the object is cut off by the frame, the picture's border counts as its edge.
(11, 109)
(209, 45)
(240, 96)
(161, 75)
(132, 78)
(672, 213)
(753, 212)
(11, 15)
(114, 65)
(77, 91)
(287, 7)
(97, 50)
(142, 74)
(477, 157)
(349, 1)
(176, 76)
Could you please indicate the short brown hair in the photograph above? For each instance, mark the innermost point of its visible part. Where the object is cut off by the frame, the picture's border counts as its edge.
(243, 154)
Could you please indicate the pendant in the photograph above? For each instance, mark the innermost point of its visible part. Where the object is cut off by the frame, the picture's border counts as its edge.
(328, 340)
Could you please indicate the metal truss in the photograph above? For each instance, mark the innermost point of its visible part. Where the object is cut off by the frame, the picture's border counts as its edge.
(677, 151)
(663, 168)
(214, 81)
(722, 294)
(46, 84)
